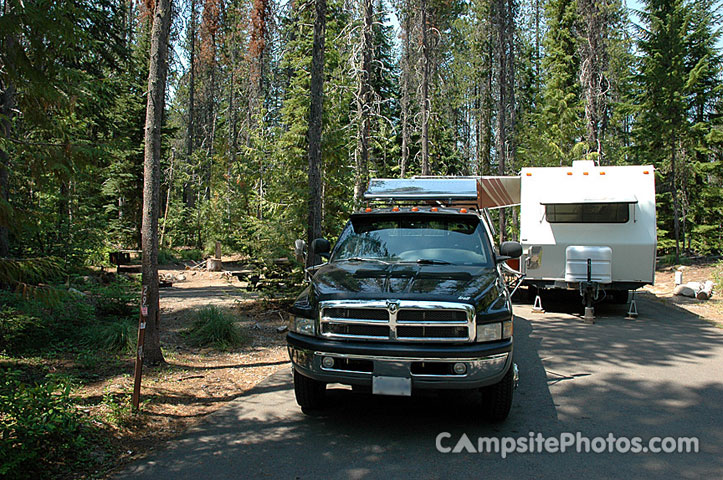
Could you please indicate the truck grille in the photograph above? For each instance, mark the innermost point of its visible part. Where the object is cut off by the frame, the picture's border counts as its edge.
(404, 321)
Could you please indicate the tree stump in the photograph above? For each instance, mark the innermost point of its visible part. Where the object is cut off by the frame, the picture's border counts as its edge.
(214, 265)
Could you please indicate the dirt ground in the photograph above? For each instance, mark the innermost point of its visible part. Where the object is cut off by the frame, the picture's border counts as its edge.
(194, 382)
(711, 309)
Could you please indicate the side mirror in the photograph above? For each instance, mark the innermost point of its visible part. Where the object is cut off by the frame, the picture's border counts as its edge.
(509, 250)
(321, 247)
(300, 250)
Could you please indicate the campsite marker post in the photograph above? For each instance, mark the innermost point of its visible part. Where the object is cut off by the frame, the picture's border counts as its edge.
(139, 351)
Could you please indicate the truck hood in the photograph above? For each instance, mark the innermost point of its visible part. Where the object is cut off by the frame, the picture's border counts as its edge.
(369, 280)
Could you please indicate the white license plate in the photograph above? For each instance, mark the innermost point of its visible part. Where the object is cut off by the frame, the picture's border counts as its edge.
(392, 386)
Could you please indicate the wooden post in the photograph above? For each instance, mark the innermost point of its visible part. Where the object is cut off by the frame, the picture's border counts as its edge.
(139, 350)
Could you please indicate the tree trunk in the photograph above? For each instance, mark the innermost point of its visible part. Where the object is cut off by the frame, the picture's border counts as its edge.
(364, 106)
(593, 65)
(315, 126)
(405, 93)
(257, 46)
(674, 193)
(188, 195)
(7, 111)
(168, 197)
(486, 113)
(502, 87)
(158, 69)
(425, 90)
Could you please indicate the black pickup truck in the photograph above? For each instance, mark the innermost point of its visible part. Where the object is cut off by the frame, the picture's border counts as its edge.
(412, 297)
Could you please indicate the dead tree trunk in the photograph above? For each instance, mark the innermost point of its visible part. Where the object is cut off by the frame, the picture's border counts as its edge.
(405, 92)
(501, 60)
(158, 69)
(188, 195)
(364, 106)
(503, 16)
(425, 89)
(593, 65)
(315, 124)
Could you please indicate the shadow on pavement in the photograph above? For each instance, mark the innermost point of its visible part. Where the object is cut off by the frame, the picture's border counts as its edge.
(655, 376)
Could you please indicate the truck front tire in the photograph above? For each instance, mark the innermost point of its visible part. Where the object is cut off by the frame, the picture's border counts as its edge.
(497, 398)
(310, 393)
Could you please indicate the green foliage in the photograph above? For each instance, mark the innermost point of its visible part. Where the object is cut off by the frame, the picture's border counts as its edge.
(562, 110)
(168, 256)
(41, 432)
(216, 328)
(118, 298)
(679, 76)
(118, 407)
(28, 325)
(100, 321)
(718, 277)
(117, 335)
(21, 331)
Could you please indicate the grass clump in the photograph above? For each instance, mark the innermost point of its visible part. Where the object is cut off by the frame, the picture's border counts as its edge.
(215, 328)
(117, 335)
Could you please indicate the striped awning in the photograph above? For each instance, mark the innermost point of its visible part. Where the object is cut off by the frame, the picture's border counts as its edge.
(496, 192)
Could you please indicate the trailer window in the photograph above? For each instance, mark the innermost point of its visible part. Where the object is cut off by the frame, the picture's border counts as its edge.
(587, 212)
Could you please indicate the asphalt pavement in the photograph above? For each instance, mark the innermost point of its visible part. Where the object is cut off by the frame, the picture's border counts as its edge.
(660, 375)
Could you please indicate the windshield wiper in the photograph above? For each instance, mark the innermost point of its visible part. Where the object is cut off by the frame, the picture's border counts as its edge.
(429, 261)
(361, 259)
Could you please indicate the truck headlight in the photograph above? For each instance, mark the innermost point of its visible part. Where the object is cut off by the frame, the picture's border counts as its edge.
(301, 325)
(489, 332)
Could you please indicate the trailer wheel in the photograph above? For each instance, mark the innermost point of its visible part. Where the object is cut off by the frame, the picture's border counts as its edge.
(497, 398)
(310, 393)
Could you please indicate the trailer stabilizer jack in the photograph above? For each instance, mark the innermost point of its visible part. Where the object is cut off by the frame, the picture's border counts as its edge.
(537, 306)
(633, 310)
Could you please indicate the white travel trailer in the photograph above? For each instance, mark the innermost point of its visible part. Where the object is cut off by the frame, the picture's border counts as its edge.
(588, 228)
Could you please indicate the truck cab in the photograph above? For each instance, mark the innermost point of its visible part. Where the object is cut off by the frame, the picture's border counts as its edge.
(412, 297)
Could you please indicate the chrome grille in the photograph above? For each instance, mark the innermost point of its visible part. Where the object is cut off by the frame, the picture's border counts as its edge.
(402, 320)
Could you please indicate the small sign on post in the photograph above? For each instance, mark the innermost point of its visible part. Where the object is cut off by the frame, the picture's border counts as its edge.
(139, 351)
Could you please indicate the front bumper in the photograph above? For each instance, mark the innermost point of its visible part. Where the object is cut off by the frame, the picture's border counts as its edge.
(428, 366)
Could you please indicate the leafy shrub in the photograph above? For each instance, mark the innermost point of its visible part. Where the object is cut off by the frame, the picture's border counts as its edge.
(30, 325)
(21, 331)
(215, 328)
(40, 429)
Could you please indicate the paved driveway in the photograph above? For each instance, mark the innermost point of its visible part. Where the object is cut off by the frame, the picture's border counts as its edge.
(658, 376)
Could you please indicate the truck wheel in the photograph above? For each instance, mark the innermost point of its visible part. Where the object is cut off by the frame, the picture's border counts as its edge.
(310, 393)
(497, 398)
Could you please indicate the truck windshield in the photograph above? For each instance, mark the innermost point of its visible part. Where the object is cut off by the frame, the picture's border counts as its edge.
(434, 240)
